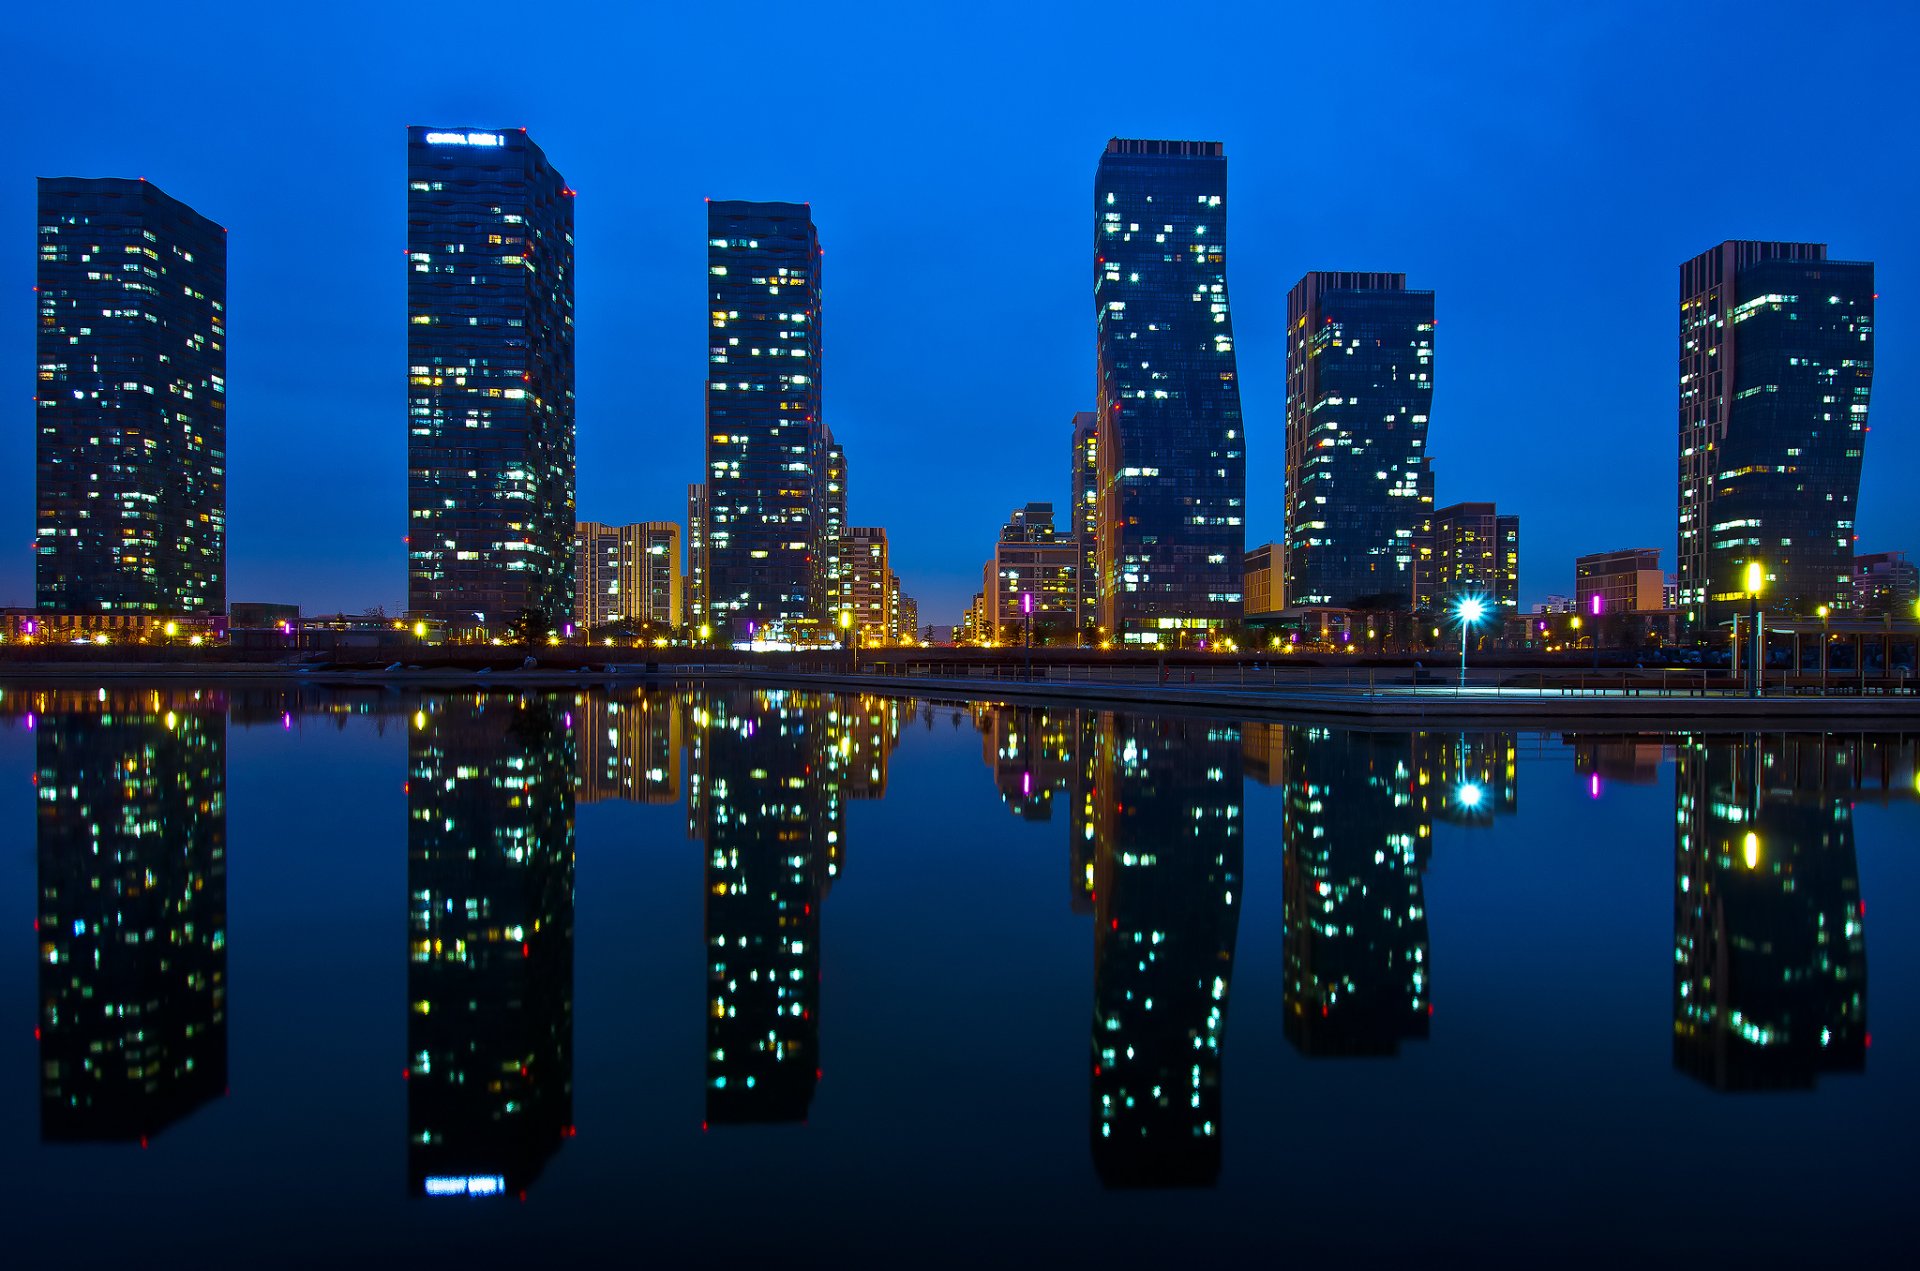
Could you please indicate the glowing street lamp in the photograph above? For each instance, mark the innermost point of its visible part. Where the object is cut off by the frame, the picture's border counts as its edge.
(1470, 611)
(1756, 579)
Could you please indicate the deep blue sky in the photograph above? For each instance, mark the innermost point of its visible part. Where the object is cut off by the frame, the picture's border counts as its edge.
(1543, 168)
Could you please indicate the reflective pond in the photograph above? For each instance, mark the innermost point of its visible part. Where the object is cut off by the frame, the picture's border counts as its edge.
(306, 975)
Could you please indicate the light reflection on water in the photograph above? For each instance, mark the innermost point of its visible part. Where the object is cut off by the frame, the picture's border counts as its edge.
(139, 1039)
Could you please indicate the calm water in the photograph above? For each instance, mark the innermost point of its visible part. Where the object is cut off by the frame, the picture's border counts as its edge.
(717, 974)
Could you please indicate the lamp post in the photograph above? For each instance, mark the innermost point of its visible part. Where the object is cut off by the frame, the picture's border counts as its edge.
(1471, 610)
(848, 639)
(1825, 638)
(1756, 578)
(1026, 609)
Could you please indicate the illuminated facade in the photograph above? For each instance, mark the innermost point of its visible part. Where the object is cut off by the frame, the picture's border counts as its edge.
(696, 593)
(1770, 963)
(863, 587)
(132, 918)
(1259, 575)
(1034, 559)
(1776, 367)
(1167, 896)
(1476, 552)
(833, 506)
(627, 574)
(766, 445)
(1357, 833)
(130, 419)
(1083, 513)
(490, 373)
(490, 804)
(1885, 583)
(1170, 447)
(1359, 481)
(1624, 581)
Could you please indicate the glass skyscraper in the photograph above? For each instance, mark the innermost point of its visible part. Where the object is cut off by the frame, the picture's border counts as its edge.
(1359, 482)
(766, 446)
(1172, 453)
(131, 405)
(1776, 366)
(490, 373)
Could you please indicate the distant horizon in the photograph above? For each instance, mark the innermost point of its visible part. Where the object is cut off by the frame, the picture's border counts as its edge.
(1527, 171)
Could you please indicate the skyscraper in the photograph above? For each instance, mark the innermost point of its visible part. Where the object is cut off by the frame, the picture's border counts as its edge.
(131, 407)
(627, 574)
(1359, 483)
(1776, 366)
(833, 506)
(1083, 514)
(1476, 552)
(766, 444)
(697, 557)
(490, 457)
(1172, 454)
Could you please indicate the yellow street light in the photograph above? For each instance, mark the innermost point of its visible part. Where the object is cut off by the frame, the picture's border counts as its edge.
(1756, 578)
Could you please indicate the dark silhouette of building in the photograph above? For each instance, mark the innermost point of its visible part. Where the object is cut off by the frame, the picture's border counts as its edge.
(131, 827)
(1776, 366)
(1083, 514)
(1171, 448)
(490, 804)
(1358, 831)
(490, 374)
(1359, 479)
(1167, 895)
(766, 447)
(130, 411)
(1770, 963)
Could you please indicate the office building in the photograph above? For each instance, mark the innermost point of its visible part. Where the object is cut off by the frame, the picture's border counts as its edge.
(1171, 450)
(1885, 583)
(1359, 481)
(130, 405)
(628, 576)
(696, 591)
(1083, 513)
(833, 508)
(766, 445)
(490, 374)
(1625, 581)
(1257, 569)
(1476, 552)
(1035, 559)
(863, 592)
(1776, 367)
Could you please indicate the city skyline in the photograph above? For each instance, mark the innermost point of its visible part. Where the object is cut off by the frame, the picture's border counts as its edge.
(1508, 186)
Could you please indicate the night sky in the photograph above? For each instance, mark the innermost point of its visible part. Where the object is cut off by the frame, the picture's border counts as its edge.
(1544, 169)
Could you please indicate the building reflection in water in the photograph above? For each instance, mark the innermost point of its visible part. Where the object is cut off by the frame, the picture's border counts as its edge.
(628, 749)
(1358, 830)
(132, 923)
(1770, 966)
(771, 774)
(490, 863)
(1165, 800)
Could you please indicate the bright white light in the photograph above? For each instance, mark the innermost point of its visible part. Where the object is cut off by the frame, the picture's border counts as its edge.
(1472, 610)
(1468, 795)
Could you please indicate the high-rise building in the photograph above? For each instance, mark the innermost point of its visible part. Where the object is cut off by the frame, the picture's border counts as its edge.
(130, 419)
(132, 916)
(490, 373)
(1083, 513)
(1625, 581)
(1476, 552)
(1776, 367)
(490, 807)
(833, 506)
(766, 445)
(1885, 583)
(1171, 445)
(1359, 482)
(627, 574)
(697, 616)
(1033, 558)
(863, 591)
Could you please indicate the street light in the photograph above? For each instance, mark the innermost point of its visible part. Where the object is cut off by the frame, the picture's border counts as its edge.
(847, 640)
(1470, 611)
(1026, 608)
(1756, 578)
(1826, 637)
